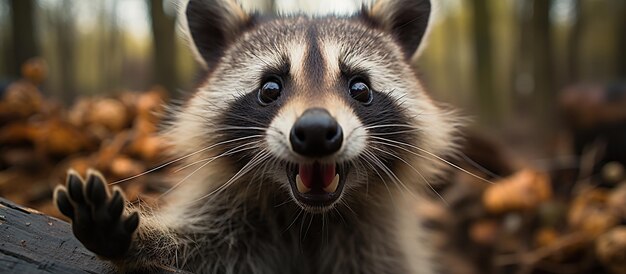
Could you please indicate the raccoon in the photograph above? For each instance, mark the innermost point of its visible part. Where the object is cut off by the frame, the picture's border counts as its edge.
(305, 147)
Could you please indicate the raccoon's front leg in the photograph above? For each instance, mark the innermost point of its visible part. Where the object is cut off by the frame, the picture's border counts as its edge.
(99, 223)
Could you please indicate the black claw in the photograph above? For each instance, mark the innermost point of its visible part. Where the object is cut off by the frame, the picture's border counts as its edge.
(95, 189)
(116, 205)
(64, 204)
(132, 222)
(75, 188)
(97, 219)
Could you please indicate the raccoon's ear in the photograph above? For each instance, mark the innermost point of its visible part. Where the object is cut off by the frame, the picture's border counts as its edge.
(212, 25)
(406, 20)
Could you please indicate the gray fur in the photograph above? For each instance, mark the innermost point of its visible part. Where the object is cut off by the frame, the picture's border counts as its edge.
(253, 225)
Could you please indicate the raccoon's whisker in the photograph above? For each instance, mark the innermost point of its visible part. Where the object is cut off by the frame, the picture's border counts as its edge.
(348, 207)
(254, 178)
(368, 159)
(231, 151)
(374, 126)
(182, 158)
(422, 113)
(306, 214)
(224, 128)
(258, 158)
(249, 119)
(253, 164)
(340, 216)
(266, 165)
(384, 168)
(288, 200)
(324, 232)
(231, 114)
(352, 132)
(361, 170)
(294, 219)
(399, 181)
(192, 173)
(208, 161)
(479, 166)
(308, 226)
(262, 169)
(188, 176)
(431, 154)
(394, 132)
(414, 169)
(358, 167)
(390, 125)
(261, 126)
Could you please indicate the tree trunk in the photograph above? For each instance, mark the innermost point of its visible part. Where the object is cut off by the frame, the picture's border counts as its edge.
(163, 31)
(621, 41)
(573, 47)
(524, 82)
(23, 35)
(109, 50)
(66, 40)
(483, 60)
(544, 93)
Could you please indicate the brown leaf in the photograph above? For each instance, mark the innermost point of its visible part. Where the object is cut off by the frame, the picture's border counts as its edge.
(524, 190)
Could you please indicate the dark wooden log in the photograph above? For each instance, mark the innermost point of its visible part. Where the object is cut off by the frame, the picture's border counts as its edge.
(31, 242)
(35, 243)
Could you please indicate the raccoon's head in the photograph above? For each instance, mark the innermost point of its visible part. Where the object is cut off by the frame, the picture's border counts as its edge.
(324, 107)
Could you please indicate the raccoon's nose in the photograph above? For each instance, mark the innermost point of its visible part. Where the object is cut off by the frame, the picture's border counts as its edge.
(316, 133)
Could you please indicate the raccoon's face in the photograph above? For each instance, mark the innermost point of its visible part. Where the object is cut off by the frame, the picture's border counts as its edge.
(325, 107)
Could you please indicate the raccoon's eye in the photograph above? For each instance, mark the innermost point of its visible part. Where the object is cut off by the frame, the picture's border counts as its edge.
(360, 91)
(269, 92)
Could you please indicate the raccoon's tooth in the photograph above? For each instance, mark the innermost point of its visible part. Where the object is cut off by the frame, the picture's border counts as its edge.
(333, 185)
(300, 185)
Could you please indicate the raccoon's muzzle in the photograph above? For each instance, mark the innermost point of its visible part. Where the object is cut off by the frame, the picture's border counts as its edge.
(315, 135)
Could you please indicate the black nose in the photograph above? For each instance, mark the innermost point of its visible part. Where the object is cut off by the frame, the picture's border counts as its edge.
(316, 134)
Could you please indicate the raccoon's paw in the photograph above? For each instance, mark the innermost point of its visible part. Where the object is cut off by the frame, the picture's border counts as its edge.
(97, 217)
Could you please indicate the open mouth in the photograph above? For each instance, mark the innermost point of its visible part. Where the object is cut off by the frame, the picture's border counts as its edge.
(317, 185)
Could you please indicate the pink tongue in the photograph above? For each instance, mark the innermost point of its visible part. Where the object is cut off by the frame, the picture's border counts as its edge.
(320, 173)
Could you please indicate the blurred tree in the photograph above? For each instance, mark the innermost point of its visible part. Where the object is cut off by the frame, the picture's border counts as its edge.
(544, 93)
(621, 40)
(522, 73)
(66, 39)
(23, 30)
(484, 66)
(163, 32)
(573, 43)
(111, 43)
